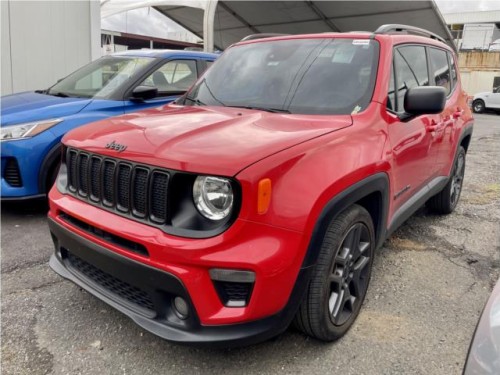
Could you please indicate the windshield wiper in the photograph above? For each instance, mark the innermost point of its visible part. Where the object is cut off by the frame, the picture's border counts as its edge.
(195, 101)
(272, 110)
(59, 94)
(42, 91)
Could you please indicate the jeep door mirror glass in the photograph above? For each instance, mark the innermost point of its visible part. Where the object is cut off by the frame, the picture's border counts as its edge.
(425, 100)
(144, 93)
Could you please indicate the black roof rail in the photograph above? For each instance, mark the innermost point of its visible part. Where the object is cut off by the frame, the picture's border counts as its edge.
(395, 28)
(261, 36)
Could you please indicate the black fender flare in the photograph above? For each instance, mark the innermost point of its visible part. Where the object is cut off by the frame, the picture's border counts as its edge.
(49, 160)
(466, 131)
(377, 183)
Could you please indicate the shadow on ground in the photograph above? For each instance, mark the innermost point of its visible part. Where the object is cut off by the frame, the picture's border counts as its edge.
(27, 207)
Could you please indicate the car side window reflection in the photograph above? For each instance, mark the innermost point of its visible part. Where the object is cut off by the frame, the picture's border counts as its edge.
(174, 77)
(411, 71)
(453, 70)
(440, 68)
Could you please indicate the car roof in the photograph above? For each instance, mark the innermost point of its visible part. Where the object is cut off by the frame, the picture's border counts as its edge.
(164, 53)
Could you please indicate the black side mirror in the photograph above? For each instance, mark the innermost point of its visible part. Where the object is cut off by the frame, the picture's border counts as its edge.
(141, 93)
(422, 100)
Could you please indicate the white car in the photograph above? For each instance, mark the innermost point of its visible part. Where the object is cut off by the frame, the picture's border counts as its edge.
(495, 46)
(487, 100)
(484, 351)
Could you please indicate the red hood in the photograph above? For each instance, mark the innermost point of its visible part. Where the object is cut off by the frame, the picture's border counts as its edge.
(210, 140)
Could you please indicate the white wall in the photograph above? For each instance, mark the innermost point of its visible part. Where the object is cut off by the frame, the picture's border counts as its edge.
(6, 67)
(476, 81)
(478, 70)
(43, 41)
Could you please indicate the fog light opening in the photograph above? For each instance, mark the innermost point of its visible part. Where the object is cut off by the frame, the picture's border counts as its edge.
(234, 287)
(181, 308)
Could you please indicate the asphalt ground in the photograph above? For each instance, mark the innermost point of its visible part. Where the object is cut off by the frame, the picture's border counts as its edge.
(430, 282)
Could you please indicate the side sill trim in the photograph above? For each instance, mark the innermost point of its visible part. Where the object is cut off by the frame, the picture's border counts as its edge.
(415, 202)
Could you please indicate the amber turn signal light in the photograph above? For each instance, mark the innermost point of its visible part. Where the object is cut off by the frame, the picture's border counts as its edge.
(264, 196)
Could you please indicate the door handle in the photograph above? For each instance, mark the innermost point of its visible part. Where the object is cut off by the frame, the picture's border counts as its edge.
(458, 113)
(434, 126)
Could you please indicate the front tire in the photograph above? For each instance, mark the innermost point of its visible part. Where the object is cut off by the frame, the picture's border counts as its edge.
(478, 106)
(340, 278)
(446, 200)
(52, 176)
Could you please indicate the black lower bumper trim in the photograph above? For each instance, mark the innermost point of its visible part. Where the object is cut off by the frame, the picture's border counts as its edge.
(24, 198)
(162, 287)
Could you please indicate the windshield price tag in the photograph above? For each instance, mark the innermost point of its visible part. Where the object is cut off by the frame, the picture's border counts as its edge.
(361, 42)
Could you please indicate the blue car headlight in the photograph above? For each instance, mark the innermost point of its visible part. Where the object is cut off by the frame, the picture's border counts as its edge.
(26, 130)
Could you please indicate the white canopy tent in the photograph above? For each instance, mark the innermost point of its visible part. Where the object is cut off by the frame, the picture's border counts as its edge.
(220, 23)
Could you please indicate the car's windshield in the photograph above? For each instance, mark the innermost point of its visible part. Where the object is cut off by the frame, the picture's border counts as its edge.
(304, 76)
(100, 78)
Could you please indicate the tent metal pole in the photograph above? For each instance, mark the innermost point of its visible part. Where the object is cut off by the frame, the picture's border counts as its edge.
(208, 25)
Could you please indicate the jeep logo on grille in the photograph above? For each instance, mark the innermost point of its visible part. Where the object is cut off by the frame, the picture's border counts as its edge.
(116, 146)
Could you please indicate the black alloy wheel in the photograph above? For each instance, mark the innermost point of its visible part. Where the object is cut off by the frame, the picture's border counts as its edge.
(340, 278)
(457, 179)
(446, 200)
(350, 274)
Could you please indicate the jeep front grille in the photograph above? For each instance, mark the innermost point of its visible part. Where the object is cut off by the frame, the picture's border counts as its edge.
(131, 189)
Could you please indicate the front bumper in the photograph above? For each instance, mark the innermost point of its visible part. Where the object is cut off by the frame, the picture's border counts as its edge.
(29, 154)
(179, 267)
(163, 286)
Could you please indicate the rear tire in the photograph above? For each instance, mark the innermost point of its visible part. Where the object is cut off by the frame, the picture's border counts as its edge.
(446, 200)
(478, 106)
(341, 276)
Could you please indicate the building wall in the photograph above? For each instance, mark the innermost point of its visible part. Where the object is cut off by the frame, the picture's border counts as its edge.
(479, 60)
(474, 82)
(478, 70)
(43, 41)
(6, 66)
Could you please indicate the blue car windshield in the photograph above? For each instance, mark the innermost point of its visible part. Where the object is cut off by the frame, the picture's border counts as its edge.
(101, 78)
(303, 76)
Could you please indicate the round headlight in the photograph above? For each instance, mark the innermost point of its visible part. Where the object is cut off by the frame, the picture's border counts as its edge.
(62, 178)
(213, 197)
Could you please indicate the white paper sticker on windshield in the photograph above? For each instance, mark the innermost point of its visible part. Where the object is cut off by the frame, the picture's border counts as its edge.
(356, 110)
(344, 54)
(361, 42)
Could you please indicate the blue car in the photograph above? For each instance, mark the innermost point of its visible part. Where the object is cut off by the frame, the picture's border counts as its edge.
(33, 123)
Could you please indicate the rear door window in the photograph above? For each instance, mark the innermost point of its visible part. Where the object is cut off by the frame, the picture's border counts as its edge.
(440, 69)
(453, 70)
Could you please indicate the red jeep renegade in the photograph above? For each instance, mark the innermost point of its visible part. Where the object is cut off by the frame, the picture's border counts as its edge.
(260, 197)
